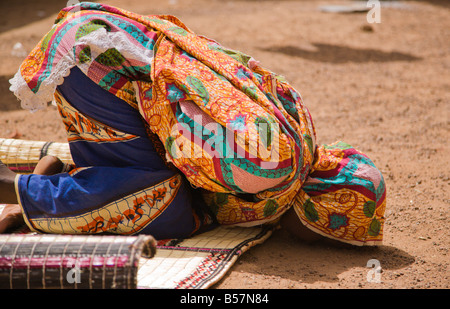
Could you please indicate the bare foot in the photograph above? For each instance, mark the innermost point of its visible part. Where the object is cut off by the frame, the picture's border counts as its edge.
(7, 190)
(48, 165)
(10, 217)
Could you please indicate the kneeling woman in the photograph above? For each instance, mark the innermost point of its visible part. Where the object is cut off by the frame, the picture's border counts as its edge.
(170, 133)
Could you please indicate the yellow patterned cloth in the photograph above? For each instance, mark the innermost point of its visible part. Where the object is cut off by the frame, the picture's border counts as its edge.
(236, 130)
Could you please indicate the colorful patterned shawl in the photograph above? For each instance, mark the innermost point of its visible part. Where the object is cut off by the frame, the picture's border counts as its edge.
(232, 127)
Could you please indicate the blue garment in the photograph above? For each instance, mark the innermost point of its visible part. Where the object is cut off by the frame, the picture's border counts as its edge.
(99, 104)
(118, 186)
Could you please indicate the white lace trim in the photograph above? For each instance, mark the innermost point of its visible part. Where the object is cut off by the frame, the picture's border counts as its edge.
(99, 41)
(37, 101)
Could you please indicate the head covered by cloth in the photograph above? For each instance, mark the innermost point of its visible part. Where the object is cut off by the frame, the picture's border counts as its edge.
(236, 130)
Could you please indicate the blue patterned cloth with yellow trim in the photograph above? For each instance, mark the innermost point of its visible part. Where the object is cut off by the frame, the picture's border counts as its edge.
(120, 184)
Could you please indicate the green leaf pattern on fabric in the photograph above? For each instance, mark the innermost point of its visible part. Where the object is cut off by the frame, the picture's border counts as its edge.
(178, 30)
(374, 228)
(90, 27)
(264, 131)
(199, 88)
(112, 57)
(310, 212)
(369, 209)
(270, 208)
(84, 55)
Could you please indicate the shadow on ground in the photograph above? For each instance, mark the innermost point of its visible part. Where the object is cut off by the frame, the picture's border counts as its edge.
(8, 100)
(322, 261)
(340, 54)
(23, 12)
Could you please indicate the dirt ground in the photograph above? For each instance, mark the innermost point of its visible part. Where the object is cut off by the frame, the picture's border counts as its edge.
(382, 87)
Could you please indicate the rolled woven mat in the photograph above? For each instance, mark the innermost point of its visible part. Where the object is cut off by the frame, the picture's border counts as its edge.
(72, 261)
(21, 156)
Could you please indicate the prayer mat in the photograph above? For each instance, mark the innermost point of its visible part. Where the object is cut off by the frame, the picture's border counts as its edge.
(200, 261)
(51, 261)
(99, 262)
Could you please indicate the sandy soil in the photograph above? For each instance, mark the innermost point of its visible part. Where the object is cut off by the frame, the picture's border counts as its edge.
(383, 88)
